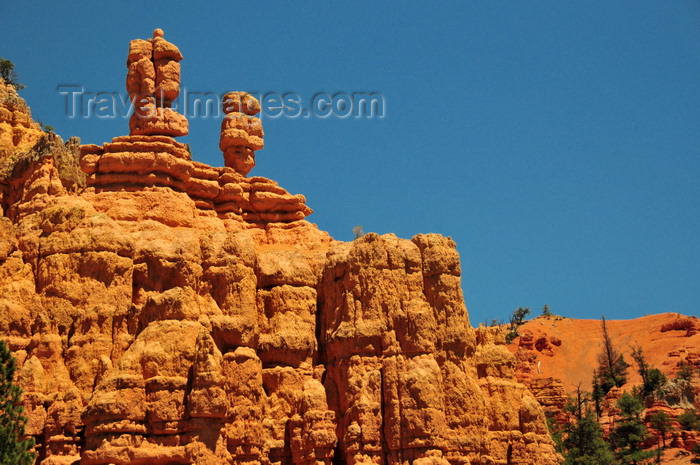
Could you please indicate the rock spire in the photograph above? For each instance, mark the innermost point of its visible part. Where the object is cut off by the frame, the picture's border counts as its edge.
(241, 132)
(153, 83)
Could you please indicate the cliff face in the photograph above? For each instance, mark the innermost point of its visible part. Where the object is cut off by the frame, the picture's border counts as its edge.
(163, 311)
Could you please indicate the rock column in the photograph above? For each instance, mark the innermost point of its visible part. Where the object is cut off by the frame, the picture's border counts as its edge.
(241, 132)
(153, 83)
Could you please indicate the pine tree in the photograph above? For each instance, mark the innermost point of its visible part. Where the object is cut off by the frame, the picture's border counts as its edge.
(546, 311)
(685, 371)
(630, 432)
(598, 395)
(14, 449)
(662, 423)
(612, 368)
(516, 320)
(584, 441)
(8, 74)
(652, 378)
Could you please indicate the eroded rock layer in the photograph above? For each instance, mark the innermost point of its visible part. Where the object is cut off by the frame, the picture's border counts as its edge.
(163, 311)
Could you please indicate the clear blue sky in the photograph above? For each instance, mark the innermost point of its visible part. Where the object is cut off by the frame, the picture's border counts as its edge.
(558, 143)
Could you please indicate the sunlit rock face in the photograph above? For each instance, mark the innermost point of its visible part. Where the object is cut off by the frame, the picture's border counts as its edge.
(163, 311)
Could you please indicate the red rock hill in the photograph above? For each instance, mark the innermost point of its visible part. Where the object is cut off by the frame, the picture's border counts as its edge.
(567, 349)
(556, 355)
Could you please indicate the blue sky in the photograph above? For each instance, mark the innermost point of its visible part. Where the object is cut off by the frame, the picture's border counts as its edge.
(557, 143)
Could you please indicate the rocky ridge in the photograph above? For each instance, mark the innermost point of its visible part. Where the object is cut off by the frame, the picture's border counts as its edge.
(163, 311)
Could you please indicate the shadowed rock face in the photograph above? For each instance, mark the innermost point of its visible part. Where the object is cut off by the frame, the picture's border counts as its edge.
(163, 311)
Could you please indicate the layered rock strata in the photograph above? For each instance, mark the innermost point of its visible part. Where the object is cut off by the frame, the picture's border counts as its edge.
(169, 312)
(137, 163)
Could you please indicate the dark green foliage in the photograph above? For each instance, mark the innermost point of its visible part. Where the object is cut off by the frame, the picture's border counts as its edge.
(598, 395)
(612, 368)
(8, 74)
(652, 378)
(557, 433)
(661, 422)
(584, 443)
(516, 320)
(13, 449)
(655, 379)
(546, 311)
(689, 420)
(629, 434)
(685, 371)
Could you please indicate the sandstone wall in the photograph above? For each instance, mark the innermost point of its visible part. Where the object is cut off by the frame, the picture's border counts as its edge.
(152, 328)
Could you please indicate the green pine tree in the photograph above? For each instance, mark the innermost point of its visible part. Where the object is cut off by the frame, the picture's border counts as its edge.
(14, 449)
(546, 311)
(584, 443)
(629, 434)
(516, 320)
(8, 74)
(662, 423)
(652, 378)
(612, 368)
(598, 395)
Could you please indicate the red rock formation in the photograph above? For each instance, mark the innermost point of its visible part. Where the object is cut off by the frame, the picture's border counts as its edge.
(172, 312)
(241, 133)
(153, 83)
(18, 131)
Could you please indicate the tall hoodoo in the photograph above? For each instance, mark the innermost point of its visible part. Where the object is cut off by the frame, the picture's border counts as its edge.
(153, 83)
(241, 132)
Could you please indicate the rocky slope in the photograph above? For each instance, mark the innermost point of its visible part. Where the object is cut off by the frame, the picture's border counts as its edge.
(163, 311)
(556, 355)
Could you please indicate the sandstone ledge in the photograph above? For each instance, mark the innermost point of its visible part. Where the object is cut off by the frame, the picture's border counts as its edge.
(132, 163)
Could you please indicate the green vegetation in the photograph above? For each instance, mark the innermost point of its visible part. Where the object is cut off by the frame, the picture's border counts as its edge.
(8, 74)
(598, 394)
(584, 443)
(14, 449)
(662, 423)
(652, 378)
(581, 440)
(612, 368)
(557, 433)
(685, 371)
(516, 320)
(689, 420)
(546, 312)
(629, 434)
(696, 451)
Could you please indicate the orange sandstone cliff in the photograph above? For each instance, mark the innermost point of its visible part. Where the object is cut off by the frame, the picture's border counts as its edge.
(163, 311)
